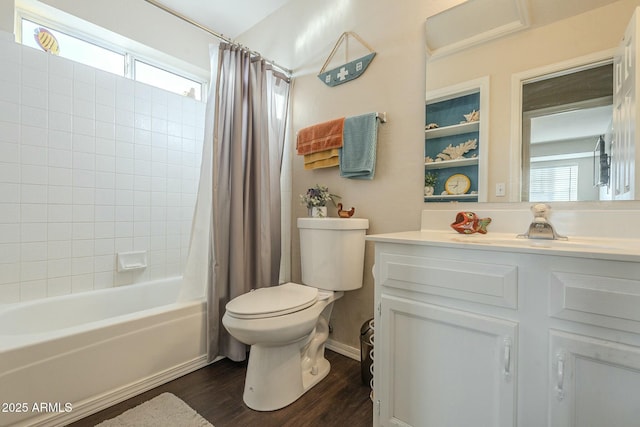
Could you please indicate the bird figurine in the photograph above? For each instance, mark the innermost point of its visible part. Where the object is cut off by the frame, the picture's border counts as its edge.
(469, 223)
(345, 214)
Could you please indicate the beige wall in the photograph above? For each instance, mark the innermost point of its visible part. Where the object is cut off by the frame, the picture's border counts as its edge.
(301, 36)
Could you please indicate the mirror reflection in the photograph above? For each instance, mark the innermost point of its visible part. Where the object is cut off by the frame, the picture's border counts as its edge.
(564, 117)
(558, 124)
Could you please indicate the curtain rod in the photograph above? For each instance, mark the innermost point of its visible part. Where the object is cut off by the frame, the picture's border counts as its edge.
(210, 31)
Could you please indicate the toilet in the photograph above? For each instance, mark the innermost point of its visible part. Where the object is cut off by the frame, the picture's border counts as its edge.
(287, 325)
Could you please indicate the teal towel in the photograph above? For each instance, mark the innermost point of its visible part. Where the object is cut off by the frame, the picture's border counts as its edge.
(358, 152)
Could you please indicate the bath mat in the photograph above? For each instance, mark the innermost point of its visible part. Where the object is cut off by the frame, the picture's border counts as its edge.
(165, 410)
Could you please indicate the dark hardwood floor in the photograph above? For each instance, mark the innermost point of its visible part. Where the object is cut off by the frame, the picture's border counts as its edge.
(215, 392)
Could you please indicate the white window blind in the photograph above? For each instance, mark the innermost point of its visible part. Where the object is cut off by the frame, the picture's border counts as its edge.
(553, 183)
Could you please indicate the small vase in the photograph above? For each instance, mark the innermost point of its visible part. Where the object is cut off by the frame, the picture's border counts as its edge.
(428, 191)
(318, 212)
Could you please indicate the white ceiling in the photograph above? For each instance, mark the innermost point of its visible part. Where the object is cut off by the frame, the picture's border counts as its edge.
(571, 124)
(229, 18)
(461, 24)
(232, 18)
(543, 12)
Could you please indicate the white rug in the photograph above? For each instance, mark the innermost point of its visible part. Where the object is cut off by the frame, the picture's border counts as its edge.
(165, 410)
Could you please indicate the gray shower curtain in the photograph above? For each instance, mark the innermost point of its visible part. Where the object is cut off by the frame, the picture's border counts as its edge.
(248, 141)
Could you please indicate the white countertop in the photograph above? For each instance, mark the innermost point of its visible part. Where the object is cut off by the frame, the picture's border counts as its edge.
(591, 247)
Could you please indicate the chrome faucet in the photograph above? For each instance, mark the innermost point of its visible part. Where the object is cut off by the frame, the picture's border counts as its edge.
(540, 227)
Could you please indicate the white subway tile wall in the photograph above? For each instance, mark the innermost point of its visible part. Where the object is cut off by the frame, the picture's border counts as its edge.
(91, 164)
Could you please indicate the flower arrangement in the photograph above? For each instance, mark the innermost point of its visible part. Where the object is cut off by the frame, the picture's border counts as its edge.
(317, 196)
(430, 179)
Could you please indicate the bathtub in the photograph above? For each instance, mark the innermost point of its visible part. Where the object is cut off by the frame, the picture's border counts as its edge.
(66, 357)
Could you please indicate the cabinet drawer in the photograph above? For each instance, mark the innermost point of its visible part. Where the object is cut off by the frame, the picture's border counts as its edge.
(596, 300)
(493, 284)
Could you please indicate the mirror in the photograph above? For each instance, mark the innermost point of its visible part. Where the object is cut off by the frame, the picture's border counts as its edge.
(529, 140)
(564, 117)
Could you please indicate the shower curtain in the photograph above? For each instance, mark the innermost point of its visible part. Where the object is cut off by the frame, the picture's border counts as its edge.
(240, 204)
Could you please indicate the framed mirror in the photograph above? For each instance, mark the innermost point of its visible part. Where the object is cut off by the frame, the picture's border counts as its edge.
(561, 43)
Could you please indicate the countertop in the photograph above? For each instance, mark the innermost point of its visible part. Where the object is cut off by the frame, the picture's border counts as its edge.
(591, 247)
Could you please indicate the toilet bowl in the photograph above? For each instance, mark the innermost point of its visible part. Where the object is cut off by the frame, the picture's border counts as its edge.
(287, 325)
(287, 346)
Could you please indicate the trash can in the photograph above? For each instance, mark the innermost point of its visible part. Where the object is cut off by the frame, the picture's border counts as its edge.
(366, 351)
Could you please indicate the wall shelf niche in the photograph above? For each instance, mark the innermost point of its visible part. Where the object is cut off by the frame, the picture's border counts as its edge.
(447, 108)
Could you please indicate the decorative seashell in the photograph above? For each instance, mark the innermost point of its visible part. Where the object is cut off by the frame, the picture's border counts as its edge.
(431, 126)
(473, 116)
(458, 152)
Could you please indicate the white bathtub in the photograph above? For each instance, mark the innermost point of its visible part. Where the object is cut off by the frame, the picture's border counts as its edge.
(66, 357)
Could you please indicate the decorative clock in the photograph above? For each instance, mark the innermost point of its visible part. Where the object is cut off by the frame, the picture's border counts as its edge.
(457, 184)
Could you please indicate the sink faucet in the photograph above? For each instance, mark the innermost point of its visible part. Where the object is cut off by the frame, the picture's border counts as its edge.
(540, 227)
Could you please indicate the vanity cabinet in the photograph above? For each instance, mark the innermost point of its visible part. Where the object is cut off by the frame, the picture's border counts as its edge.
(451, 109)
(428, 377)
(594, 382)
(493, 337)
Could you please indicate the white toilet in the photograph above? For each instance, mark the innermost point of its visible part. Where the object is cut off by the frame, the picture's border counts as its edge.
(287, 325)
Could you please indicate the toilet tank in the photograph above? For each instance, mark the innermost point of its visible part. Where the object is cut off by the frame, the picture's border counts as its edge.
(332, 252)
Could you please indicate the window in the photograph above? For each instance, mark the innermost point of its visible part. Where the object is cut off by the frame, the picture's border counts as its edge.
(167, 80)
(75, 49)
(554, 183)
(108, 58)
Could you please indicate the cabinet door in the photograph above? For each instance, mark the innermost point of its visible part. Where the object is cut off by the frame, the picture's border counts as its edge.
(593, 383)
(442, 367)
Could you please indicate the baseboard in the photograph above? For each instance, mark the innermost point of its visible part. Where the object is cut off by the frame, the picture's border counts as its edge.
(343, 349)
(95, 404)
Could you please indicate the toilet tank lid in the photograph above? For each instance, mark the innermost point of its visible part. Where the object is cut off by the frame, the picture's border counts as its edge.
(334, 223)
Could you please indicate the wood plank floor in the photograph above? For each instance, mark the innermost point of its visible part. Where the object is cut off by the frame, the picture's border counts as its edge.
(215, 392)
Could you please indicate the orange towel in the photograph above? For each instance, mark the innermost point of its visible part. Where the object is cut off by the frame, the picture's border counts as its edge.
(320, 137)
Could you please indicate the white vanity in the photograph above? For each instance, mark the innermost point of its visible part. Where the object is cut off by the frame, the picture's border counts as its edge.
(490, 330)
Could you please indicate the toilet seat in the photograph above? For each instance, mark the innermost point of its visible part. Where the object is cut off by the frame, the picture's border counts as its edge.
(271, 302)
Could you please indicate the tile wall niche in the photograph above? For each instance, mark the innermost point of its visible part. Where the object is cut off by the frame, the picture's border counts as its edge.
(91, 164)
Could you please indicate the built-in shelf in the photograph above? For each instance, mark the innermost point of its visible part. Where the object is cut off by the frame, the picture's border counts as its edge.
(451, 163)
(452, 130)
(448, 108)
(451, 197)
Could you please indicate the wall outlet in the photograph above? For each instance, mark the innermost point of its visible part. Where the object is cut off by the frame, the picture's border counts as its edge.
(500, 189)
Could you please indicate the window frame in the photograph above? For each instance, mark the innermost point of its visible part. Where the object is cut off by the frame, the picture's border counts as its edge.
(130, 55)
